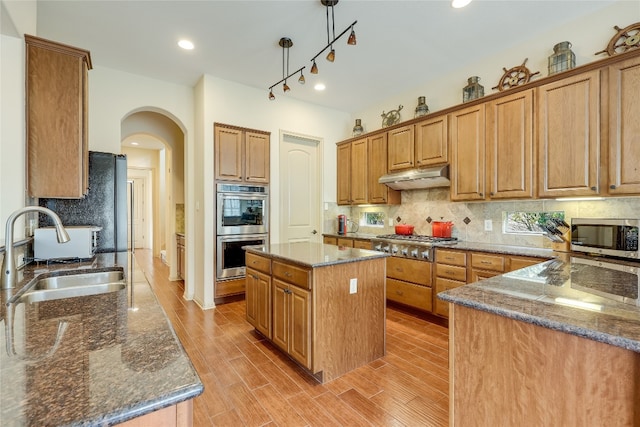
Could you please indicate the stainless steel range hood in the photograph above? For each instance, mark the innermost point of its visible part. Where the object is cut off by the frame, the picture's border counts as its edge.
(414, 179)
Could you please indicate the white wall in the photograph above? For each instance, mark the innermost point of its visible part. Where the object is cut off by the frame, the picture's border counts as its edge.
(588, 34)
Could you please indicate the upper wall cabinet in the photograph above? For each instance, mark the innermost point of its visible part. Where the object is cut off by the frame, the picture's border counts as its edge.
(569, 136)
(467, 137)
(377, 154)
(241, 154)
(56, 108)
(509, 138)
(431, 141)
(401, 148)
(624, 127)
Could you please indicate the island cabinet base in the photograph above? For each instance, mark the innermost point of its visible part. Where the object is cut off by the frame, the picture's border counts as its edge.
(180, 415)
(505, 372)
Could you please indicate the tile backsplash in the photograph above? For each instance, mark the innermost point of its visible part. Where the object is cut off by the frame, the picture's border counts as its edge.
(418, 205)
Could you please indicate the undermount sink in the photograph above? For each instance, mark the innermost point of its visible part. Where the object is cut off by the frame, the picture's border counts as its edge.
(71, 285)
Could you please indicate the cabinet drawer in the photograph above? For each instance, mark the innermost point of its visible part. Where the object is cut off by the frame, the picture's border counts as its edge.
(451, 272)
(409, 270)
(345, 242)
(362, 244)
(487, 262)
(409, 294)
(230, 287)
(441, 285)
(516, 263)
(444, 256)
(258, 263)
(330, 240)
(293, 274)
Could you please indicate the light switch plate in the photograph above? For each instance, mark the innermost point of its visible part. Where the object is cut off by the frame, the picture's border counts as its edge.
(488, 225)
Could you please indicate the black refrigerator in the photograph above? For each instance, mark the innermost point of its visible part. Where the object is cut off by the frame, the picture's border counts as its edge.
(105, 204)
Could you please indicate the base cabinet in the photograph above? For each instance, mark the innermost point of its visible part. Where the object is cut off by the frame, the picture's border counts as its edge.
(292, 321)
(180, 244)
(180, 415)
(409, 283)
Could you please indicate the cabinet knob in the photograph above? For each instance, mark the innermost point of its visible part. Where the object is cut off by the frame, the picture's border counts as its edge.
(286, 273)
(594, 188)
(491, 194)
(612, 186)
(480, 194)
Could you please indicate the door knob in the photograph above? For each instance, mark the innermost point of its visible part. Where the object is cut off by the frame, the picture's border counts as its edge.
(314, 232)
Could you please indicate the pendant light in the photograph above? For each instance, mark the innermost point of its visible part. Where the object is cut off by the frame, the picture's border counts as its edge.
(331, 56)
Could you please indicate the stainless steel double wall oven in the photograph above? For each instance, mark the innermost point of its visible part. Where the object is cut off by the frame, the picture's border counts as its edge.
(242, 219)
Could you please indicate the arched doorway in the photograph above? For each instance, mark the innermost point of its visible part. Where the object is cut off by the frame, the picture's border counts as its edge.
(154, 144)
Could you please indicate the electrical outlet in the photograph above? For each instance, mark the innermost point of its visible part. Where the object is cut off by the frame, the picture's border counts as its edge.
(20, 260)
(353, 286)
(390, 222)
(488, 225)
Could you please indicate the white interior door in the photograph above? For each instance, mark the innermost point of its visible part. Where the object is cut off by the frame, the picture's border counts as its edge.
(136, 211)
(299, 188)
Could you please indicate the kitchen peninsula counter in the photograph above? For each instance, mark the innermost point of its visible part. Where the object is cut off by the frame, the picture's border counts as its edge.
(557, 343)
(117, 359)
(322, 305)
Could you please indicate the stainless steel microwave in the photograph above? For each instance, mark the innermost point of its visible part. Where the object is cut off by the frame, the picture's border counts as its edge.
(610, 237)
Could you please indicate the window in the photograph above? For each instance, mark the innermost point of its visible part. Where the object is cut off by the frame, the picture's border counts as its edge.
(372, 219)
(528, 222)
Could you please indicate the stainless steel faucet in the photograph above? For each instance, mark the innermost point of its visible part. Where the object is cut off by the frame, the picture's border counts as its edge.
(8, 279)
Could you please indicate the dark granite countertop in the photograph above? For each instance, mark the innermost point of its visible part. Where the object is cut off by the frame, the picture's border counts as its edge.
(353, 235)
(314, 254)
(117, 359)
(499, 249)
(593, 298)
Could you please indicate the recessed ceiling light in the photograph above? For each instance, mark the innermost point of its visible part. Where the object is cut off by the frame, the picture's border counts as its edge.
(459, 3)
(134, 143)
(319, 86)
(185, 44)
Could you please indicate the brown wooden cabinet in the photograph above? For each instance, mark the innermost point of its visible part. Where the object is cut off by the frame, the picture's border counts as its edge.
(258, 293)
(624, 127)
(377, 161)
(450, 272)
(241, 154)
(569, 136)
(467, 138)
(401, 148)
(178, 415)
(409, 282)
(432, 141)
(181, 252)
(57, 119)
(329, 240)
(509, 146)
(352, 172)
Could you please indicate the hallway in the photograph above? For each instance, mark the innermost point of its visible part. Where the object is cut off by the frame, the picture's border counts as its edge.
(249, 382)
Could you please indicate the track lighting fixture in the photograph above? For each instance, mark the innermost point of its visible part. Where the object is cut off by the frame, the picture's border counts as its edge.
(331, 56)
(286, 43)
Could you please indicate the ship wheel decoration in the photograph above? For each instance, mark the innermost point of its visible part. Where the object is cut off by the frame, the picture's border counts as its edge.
(391, 118)
(515, 76)
(626, 39)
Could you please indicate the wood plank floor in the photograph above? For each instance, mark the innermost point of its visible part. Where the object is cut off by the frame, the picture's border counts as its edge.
(249, 382)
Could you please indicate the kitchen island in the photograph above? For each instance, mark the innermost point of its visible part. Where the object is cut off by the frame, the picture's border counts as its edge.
(322, 305)
(93, 360)
(556, 343)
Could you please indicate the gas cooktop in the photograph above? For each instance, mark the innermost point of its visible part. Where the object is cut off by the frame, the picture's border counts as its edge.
(417, 238)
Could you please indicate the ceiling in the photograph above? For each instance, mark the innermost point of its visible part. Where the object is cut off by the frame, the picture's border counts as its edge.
(401, 44)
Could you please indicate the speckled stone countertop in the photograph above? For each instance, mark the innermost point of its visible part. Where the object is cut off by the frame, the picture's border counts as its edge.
(117, 359)
(314, 254)
(363, 236)
(499, 249)
(593, 298)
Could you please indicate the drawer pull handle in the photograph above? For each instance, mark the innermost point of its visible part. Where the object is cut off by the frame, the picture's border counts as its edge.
(399, 270)
(486, 262)
(286, 273)
(399, 293)
(448, 258)
(450, 272)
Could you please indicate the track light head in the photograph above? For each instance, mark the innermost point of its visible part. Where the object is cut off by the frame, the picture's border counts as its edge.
(271, 95)
(285, 87)
(331, 56)
(352, 38)
(301, 79)
(314, 68)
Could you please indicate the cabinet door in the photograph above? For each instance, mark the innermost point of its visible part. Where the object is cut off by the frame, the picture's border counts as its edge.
(258, 301)
(280, 313)
(300, 326)
(181, 261)
(409, 270)
(509, 139)
(256, 157)
(344, 174)
(56, 106)
(228, 152)
(467, 135)
(624, 127)
(441, 308)
(401, 148)
(377, 166)
(569, 136)
(359, 171)
(431, 141)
